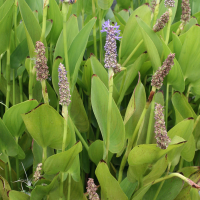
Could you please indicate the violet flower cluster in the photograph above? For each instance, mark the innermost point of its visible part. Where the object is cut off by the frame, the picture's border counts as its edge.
(110, 46)
(37, 173)
(91, 190)
(42, 71)
(63, 84)
(158, 77)
(169, 3)
(160, 24)
(153, 5)
(159, 128)
(186, 11)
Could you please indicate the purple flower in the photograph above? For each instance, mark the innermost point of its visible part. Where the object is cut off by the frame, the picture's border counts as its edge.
(161, 22)
(186, 11)
(63, 84)
(41, 62)
(110, 46)
(159, 128)
(169, 3)
(91, 190)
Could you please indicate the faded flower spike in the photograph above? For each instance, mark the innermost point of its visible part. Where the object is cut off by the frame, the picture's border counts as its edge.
(186, 11)
(160, 24)
(37, 173)
(158, 77)
(41, 62)
(159, 128)
(169, 3)
(69, 1)
(91, 190)
(153, 5)
(110, 46)
(63, 86)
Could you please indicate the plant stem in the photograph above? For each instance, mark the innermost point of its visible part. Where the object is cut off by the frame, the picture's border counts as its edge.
(64, 12)
(81, 138)
(10, 173)
(65, 115)
(61, 186)
(44, 155)
(45, 5)
(8, 78)
(150, 122)
(44, 92)
(188, 91)
(6, 172)
(17, 165)
(181, 163)
(32, 71)
(132, 53)
(15, 22)
(168, 26)
(110, 82)
(156, 11)
(94, 29)
(132, 5)
(166, 105)
(89, 116)
(13, 87)
(69, 188)
(100, 42)
(130, 144)
(20, 88)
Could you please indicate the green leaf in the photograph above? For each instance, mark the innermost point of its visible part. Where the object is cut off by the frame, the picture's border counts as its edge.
(15, 195)
(99, 98)
(46, 126)
(61, 161)
(182, 108)
(55, 15)
(77, 112)
(132, 72)
(132, 35)
(6, 27)
(76, 54)
(7, 142)
(4, 188)
(108, 191)
(101, 72)
(104, 4)
(12, 117)
(189, 57)
(32, 26)
(96, 151)
(177, 45)
(149, 153)
(5, 8)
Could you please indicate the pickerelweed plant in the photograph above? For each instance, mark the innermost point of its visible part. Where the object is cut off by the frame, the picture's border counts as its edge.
(99, 101)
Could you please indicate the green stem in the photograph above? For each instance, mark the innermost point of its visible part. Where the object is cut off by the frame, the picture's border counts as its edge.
(51, 54)
(69, 188)
(20, 88)
(148, 138)
(180, 28)
(0, 66)
(83, 13)
(89, 116)
(61, 186)
(181, 163)
(81, 138)
(156, 11)
(188, 91)
(132, 53)
(130, 144)
(32, 71)
(168, 26)
(45, 6)
(17, 166)
(44, 155)
(10, 173)
(8, 78)
(158, 191)
(13, 87)
(94, 29)
(110, 82)
(44, 92)
(64, 12)
(97, 133)
(100, 42)
(65, 115)
(15, 22)
(166, 105)
(132, 5)
(6, 172)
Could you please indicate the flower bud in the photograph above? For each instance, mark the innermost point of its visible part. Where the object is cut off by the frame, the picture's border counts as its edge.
(186, 11)
(160, 24)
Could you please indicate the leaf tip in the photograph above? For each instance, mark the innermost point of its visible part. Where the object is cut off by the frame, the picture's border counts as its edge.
(58, 57)
(94, 75)
(91, 55)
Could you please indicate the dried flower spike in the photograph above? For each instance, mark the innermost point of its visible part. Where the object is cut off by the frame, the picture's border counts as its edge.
(41, 62)
(159, 128)
(158, 77)
(160, 24)
(63, 84)
(110, 46)
(169, 3)
(91, 190)
(186, 11)
(37, 173)
(153, 5)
